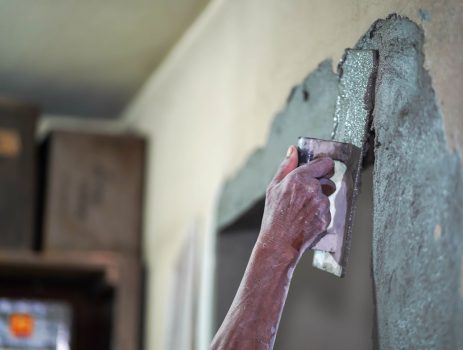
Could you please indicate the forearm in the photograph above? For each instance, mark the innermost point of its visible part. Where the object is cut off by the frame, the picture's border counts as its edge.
(296, 213)
(253, 318)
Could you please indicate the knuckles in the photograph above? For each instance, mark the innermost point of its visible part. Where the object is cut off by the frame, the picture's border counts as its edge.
(300, 192)
(302, 187)
(298, 205)
(300, 180)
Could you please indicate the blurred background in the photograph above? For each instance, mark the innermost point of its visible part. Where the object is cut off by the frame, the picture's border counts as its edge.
(119, 125)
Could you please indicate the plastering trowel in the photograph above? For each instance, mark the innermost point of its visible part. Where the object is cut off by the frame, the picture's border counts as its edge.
(352, 118)
(331, 250)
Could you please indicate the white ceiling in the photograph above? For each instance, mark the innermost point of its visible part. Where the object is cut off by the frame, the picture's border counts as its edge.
(86, 57)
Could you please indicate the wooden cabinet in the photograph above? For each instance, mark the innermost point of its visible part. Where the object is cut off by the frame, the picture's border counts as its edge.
(17, 175)
(93, 197)
(103, 291)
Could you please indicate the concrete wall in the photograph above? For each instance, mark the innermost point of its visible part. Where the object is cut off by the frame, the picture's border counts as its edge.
(212, 101)
(418, 200)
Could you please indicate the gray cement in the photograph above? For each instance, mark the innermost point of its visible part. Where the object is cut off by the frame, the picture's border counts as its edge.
(417, 248)
(418, 200)
(355, 96)
(352, 118)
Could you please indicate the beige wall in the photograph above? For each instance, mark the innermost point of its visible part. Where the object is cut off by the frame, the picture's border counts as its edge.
(211, 102)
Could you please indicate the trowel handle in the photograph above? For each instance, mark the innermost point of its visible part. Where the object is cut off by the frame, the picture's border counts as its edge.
(329, 251)
(310, 148)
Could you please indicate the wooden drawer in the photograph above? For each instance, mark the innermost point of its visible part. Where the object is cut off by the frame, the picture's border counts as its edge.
(93, 197)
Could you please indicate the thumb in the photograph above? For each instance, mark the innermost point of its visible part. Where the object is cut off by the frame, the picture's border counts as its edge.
(288, 165)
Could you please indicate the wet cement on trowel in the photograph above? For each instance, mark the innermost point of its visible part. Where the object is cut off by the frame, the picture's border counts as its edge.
(418, 189)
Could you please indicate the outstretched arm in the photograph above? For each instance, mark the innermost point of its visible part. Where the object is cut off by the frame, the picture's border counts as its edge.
(296, 214)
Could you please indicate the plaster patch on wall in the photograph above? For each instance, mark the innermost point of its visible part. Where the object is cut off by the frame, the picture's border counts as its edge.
(416, 280)
(417, 183)
(443, 28)
(424, 15)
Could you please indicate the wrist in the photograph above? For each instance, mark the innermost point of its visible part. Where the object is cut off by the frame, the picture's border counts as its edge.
(283, 250)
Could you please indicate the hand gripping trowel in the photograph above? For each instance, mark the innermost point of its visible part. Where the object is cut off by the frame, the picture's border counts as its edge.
(354, 106)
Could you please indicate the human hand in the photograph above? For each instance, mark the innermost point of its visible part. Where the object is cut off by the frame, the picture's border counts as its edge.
(296, 205)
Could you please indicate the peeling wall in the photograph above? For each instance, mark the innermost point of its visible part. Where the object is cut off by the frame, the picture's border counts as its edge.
(218, 92)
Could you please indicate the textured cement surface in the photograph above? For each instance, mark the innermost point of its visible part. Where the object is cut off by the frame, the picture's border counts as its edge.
(355, 98)
(309, 112)
(354, 104)
(418, 200)
(417, 247)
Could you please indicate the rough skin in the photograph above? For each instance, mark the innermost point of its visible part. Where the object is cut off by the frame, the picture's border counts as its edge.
(295, 217)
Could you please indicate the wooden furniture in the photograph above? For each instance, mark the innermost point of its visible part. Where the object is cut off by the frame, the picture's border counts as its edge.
(103, 289)
(17, 174)
(89, 219)
(94, 191)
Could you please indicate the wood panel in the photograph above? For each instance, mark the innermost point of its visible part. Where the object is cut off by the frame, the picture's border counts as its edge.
(93, 197)
(17, 174)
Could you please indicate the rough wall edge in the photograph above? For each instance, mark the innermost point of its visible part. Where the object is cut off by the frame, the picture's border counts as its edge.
(417, 244)
(418, 191)
(309, 111)
(370, 33)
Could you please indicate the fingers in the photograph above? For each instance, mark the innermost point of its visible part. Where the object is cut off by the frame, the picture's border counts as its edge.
(330, 172)
(321, 168)
(328, 186)
(288, 165)
(318, 168)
